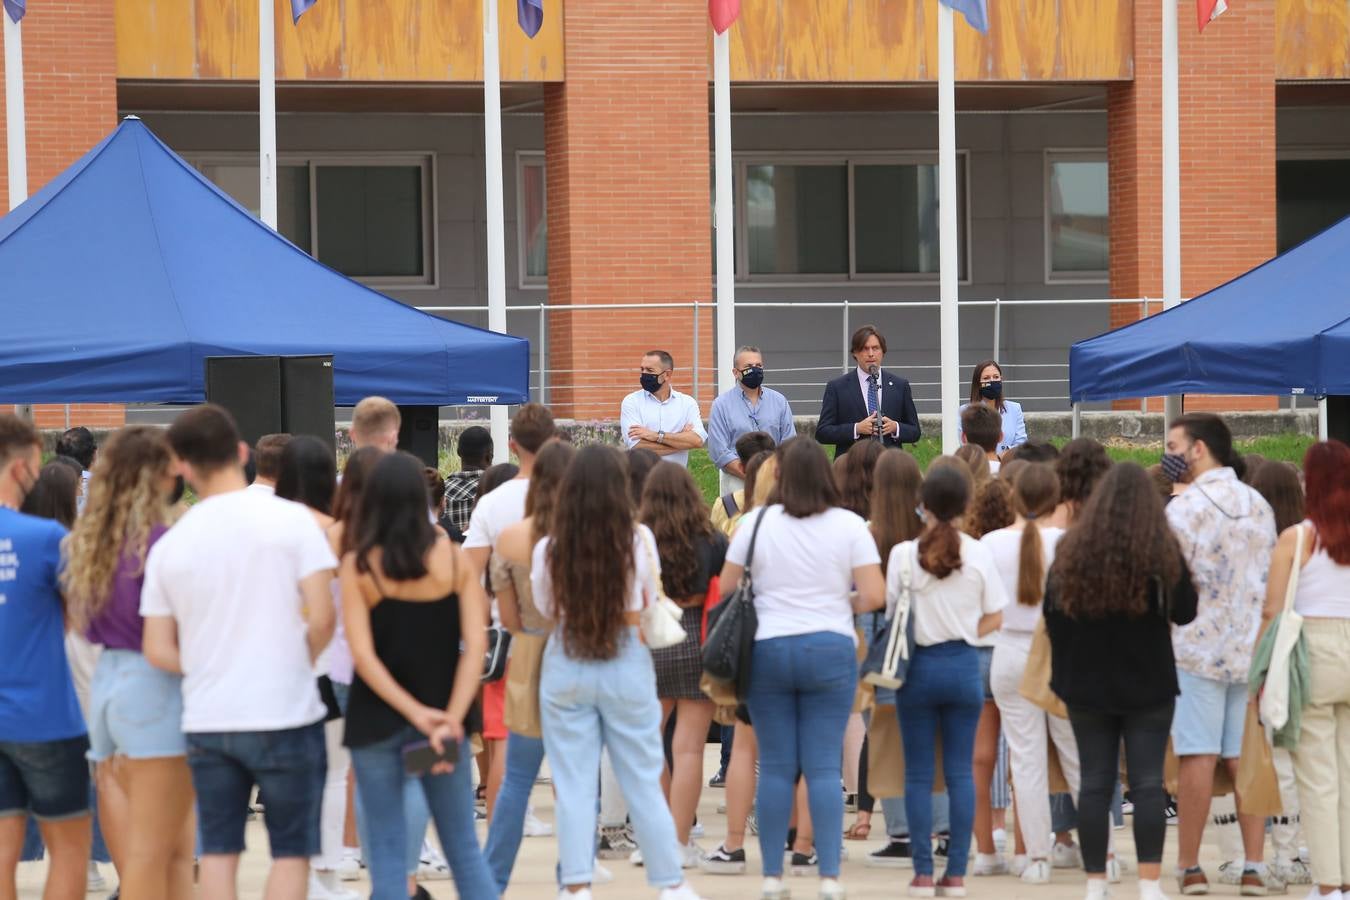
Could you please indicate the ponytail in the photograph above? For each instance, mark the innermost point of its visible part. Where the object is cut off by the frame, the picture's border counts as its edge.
(1035, 494)
(1031, 566)
(940, 549)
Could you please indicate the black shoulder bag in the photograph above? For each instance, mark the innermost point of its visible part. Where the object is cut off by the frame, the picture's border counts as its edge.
(731, 628)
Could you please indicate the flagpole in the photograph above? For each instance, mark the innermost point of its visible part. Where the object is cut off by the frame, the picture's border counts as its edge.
(724, 217)
(267, 113)
(496, 214)
(949, 321)
(1171, 179)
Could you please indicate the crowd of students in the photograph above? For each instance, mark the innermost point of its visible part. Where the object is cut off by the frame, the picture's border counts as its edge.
(289, 624)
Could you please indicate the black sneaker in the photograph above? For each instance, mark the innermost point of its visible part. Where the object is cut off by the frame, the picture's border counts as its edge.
(942, 846)
(421, 894)
(850, 802)
(723, 861)
(802, 864)
(895, 855)
(1170, 811)
(718, 780)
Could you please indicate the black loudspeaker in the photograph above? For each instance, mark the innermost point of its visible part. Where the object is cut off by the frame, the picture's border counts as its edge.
(250, 388)
(420, 433)
(307, 397)
(1338, 418)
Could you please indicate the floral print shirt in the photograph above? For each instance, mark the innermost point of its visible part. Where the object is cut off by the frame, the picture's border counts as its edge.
(1227, 533)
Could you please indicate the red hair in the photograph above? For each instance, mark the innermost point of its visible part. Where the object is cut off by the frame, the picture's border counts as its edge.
(1326, 472)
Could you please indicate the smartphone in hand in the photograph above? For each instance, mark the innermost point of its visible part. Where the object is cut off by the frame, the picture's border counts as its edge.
(419, 757)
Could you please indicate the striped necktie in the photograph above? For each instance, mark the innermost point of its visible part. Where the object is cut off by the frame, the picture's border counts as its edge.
(871, 396)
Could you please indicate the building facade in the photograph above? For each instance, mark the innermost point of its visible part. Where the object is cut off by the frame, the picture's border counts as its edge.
(608, 166)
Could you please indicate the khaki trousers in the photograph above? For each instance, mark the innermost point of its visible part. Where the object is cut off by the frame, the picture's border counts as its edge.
(1322, 761)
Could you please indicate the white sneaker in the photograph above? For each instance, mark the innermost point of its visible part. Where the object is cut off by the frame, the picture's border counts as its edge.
(636, 857)
(601, 875)
(1097, 889)
(1000, 840)
(431, 865)
(1036, 872)
(1112, 870)
(320, 890)
(583, 894)
(690, 854)
(1315, 895)
(1151, 890)
(1231, 872)
(774, 889)
(350, 867)
(831, 889)
(96, 883)
(1018, 865)
(989, 864)
(681, 892)
(1293, 871)
(1066, 856)
(535, 827)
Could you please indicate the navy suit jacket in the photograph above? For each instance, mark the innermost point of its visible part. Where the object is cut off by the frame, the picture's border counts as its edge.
(843, 407)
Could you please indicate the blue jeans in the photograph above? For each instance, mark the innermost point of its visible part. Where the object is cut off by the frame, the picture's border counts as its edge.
(380, 782)
(801, 691)
(587, 704)
(942, 695)
(893, 808)
(524, 756)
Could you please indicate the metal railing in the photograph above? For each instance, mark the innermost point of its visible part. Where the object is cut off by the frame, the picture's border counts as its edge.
(1039, 370)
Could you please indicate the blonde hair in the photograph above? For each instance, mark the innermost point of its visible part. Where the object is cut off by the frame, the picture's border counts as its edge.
(126, 501)
(374, 416)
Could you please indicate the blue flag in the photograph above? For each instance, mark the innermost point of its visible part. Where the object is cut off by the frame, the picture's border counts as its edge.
(298, 8)
(530, 15)
(975, 11)
(15, 10)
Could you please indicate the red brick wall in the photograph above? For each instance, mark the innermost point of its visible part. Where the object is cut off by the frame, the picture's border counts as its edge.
(1227, 105)
(70, 100)
(627, 143)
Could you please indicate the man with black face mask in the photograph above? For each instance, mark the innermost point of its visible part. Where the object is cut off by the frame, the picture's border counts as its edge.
(659, 418)
(43, 739)
(747, 407)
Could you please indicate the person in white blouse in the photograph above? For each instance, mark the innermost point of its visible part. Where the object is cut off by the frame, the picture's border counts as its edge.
(957, 597)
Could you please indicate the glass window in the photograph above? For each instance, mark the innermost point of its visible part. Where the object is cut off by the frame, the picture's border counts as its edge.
(1079, 228)
(370, 220)
(797, 219)
(1311, 195)
(534, 218)
(895, 217)
(240, 181)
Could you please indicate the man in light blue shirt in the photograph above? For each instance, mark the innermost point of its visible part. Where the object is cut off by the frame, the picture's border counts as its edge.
(658, 417)
(749, 406)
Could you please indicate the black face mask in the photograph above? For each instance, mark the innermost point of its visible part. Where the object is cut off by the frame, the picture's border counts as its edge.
(650, 383)
(992, 391)
(179, 488)
(753, 377)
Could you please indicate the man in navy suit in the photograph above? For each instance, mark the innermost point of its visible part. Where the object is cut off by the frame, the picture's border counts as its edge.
(848, 411)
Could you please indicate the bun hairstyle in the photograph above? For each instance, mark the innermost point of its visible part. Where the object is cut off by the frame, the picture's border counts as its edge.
(945, 494)
(1035, 494)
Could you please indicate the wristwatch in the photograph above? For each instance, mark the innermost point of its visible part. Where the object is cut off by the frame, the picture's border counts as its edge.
(660, 437)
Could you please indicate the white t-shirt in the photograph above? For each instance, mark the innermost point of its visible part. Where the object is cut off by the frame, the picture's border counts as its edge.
(803, 569)
(994, 466)
(498, 510)
(1006, 546)
(646, 570)
(229, 574)
(1323, 584)
(949, 609)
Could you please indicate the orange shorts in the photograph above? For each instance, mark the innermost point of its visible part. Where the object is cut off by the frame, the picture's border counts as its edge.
(494, 710)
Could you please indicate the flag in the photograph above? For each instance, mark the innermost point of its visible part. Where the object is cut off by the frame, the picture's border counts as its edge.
(976, 12)
(15, 10)
(530, 15)
(1207, 11)
(298, 8)
(723, 13)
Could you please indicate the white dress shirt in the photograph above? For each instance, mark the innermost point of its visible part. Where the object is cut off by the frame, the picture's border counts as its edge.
(670, 416)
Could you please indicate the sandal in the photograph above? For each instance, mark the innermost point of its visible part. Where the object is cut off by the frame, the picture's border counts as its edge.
(860, 830)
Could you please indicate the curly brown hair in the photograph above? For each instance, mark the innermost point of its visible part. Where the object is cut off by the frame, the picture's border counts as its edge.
(672, 507)
(853, 476)
(1080, 465)
(1120, 541)
(895, 499)
(990, 509)
(590, 557)
(541, 498)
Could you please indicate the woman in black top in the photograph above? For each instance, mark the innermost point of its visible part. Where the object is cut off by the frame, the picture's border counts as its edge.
(691, 553)
(1118, 585)
(409, 598)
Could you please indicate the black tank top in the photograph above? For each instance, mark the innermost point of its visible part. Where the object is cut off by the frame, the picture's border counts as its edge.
(418, 642)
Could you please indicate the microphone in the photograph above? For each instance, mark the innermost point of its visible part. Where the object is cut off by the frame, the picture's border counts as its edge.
(874, 373)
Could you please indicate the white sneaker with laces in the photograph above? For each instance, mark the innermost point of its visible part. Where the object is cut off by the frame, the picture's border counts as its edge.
(601, 875)
(697, 830)
(774, 889)
(636, 857)
(96, 883)
(1293, 871)
(1231, 872)
(432, 865)
(1036, 872)
(1066, 856)
(682, 891)
(831, 889)
(690, 854)
(350, 867)
(535, 827)
(327, 886)
(1097, 889)
(1018, 865)
(1151, 890)
(989, 864)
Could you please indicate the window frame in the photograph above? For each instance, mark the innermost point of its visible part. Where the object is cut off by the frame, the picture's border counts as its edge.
(741, 163)
(1049, 156)
(425, 160)
(524, 158)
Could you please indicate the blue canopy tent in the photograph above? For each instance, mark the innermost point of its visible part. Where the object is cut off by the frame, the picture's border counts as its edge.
(124, 273)
(1282, 328)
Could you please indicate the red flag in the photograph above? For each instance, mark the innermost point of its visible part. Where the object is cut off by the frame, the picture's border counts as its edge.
(723, 13)
(1207, 11)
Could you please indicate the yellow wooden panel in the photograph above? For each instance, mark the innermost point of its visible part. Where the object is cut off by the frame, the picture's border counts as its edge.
(312, 47)
(154, 39)
(226, 38)
(531, 59)
(1312, 39)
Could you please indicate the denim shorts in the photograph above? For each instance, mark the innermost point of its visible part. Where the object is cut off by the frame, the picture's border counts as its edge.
(289, 766)
(135, 710)
(1209, 717)
(49, 779)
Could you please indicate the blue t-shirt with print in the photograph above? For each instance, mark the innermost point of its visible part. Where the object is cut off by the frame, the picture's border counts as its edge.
(37, 696)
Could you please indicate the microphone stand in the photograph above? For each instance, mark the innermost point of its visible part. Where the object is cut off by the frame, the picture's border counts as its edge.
(874, 373)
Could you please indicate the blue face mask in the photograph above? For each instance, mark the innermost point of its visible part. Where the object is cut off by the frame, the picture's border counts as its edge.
(992, 391)
(651, 383)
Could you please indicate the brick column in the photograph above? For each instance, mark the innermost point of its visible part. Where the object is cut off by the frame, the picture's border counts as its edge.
(70, 100)
(1227, 104)
(629, 211)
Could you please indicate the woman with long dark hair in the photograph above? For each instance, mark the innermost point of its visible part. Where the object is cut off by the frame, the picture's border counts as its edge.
(986, 388)
(691, 554)
(853, 476)
(809, 555)
(416, 622)
(1117, 586)
(593, 576)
